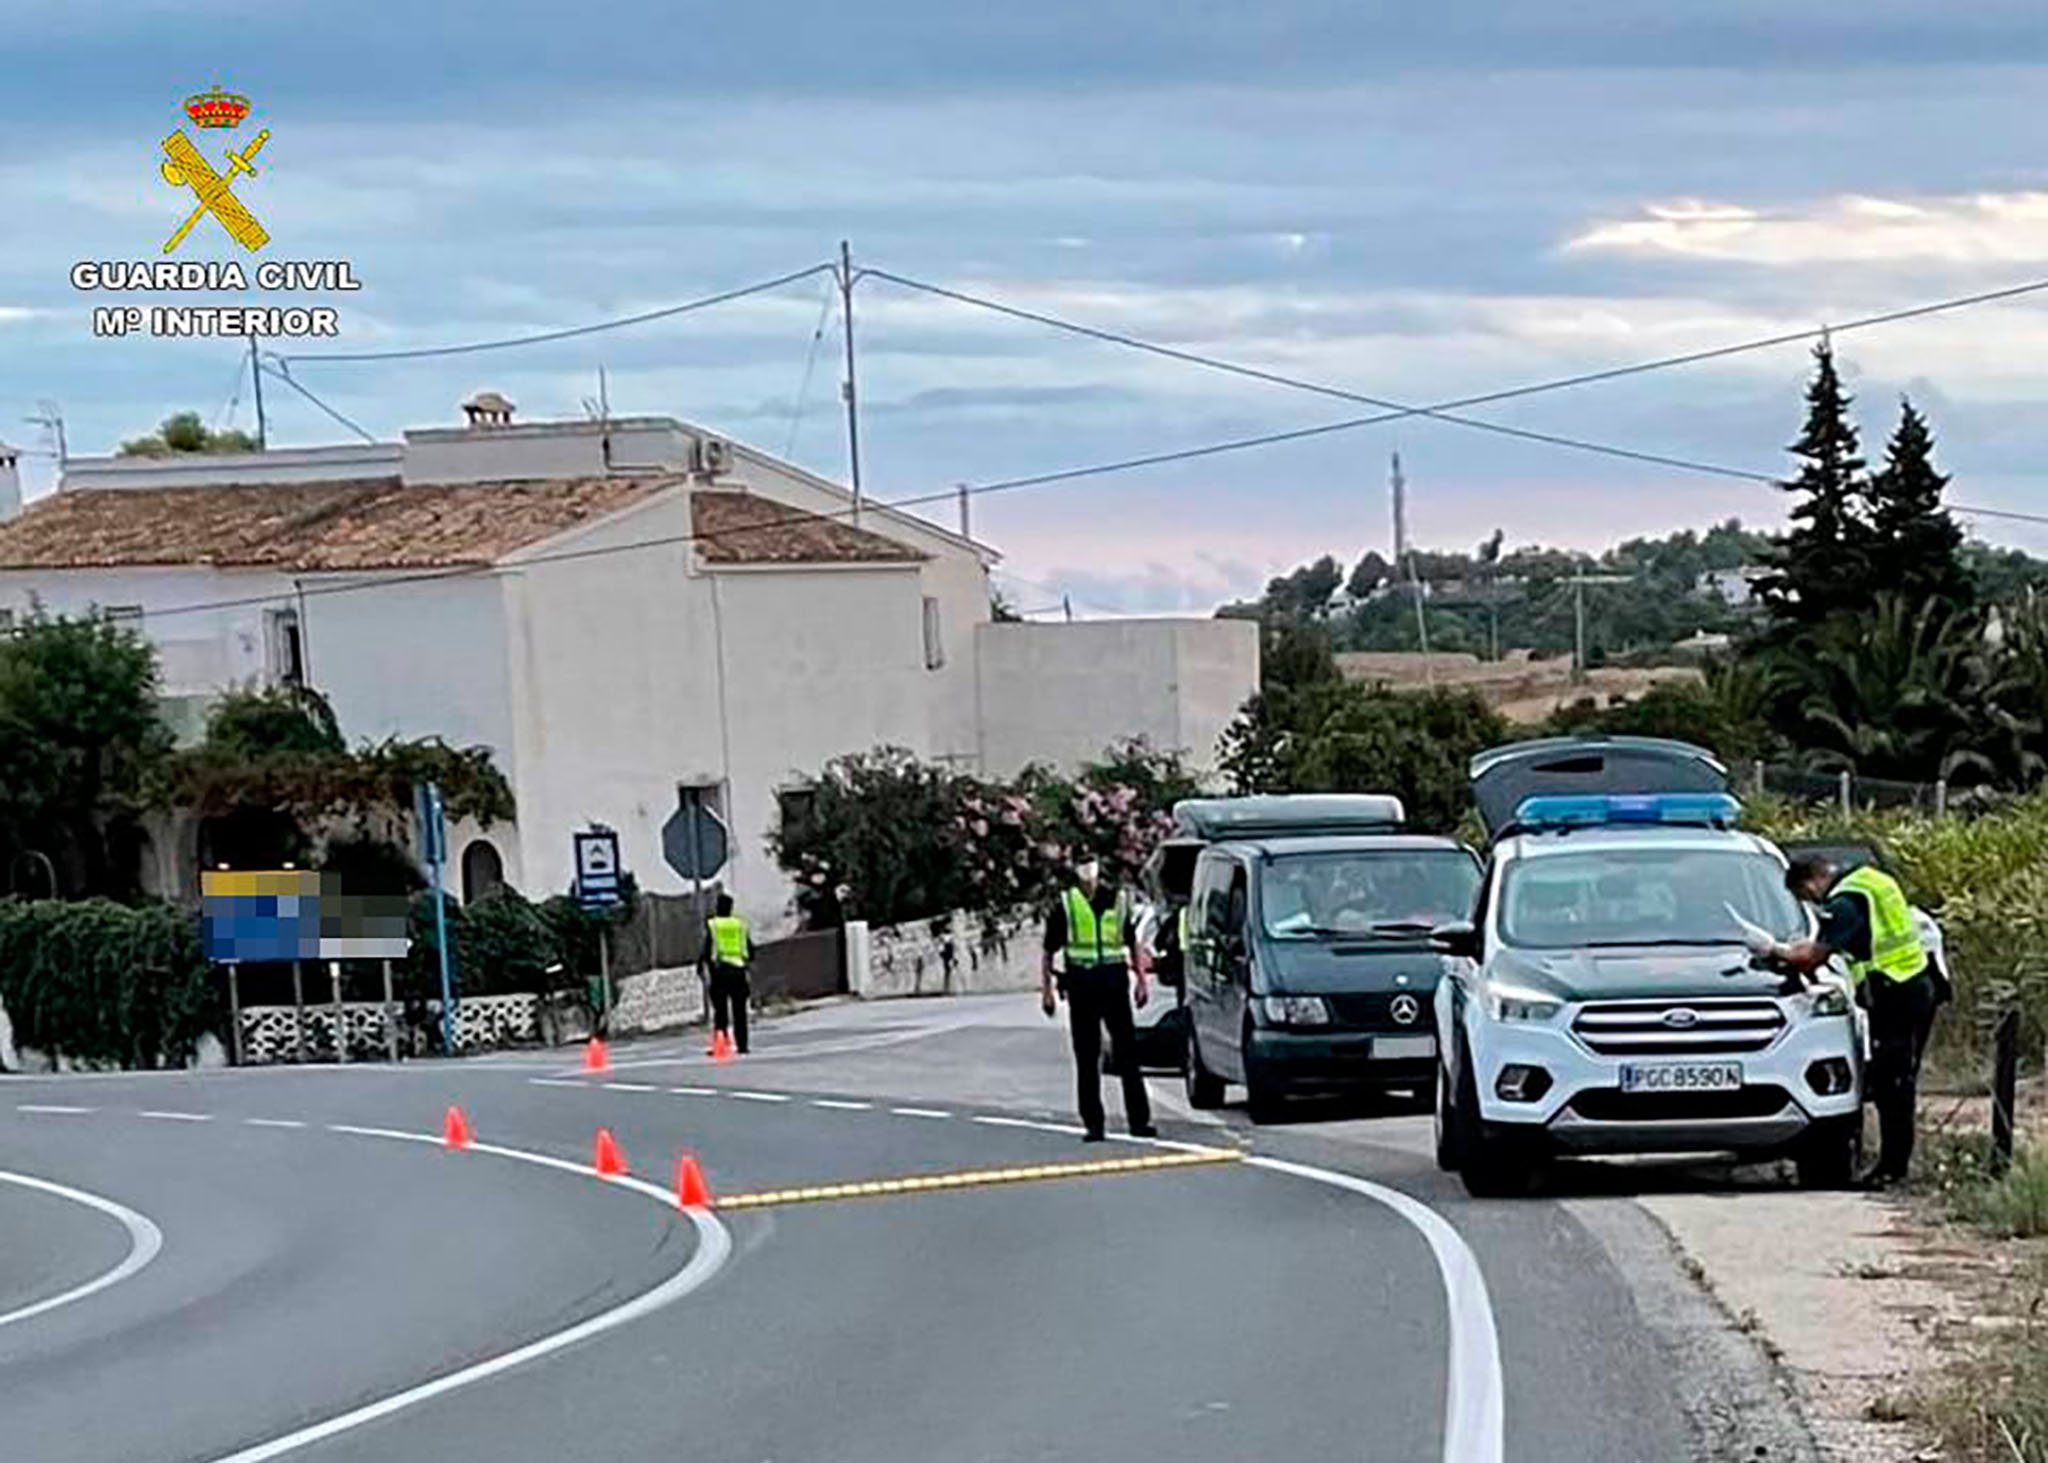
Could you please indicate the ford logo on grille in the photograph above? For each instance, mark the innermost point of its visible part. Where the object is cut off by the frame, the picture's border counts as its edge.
(1682, 1017)
(1405, 1009)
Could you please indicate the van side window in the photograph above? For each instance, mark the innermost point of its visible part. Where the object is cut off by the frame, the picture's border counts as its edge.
(1235, 906)
(1212, 878)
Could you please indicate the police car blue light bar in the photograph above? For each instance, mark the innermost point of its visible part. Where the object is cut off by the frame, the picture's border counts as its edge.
(1602, 810)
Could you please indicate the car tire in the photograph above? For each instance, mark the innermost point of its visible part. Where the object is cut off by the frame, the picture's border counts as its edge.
(1493, 1165)
(1447, 1135)
(1204, 1088)
(1828, 1154)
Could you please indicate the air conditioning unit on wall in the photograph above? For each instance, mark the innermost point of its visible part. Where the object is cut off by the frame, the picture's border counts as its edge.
(713, 457)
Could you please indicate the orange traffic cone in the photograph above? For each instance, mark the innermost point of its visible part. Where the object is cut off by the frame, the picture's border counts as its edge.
(595, 1057)
(721, 1046)
(455, 1129)
(692, 1189)
(608, 1160)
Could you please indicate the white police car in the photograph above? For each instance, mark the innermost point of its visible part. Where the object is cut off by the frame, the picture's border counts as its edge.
(1602, 1000)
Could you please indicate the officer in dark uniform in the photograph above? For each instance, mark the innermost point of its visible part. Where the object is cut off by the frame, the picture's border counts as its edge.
(1091, 927)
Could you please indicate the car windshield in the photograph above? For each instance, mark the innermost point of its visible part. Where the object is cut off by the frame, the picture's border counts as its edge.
(1387, 894)
(1644, 896)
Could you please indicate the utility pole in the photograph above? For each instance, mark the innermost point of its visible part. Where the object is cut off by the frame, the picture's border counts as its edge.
(1403, 556)
(50, 417)
(256, 386)
(966, 521)
(1578, 583)
(1067, 604)
(846, 387)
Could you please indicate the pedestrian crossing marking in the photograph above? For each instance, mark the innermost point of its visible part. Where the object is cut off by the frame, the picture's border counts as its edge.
(975, 1178)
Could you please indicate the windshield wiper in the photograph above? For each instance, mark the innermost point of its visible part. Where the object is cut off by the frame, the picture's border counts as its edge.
(1649, 944)
(1404, 927)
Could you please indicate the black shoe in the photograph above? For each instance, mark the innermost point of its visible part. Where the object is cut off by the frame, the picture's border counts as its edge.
(1092, 1138)
(1143, 1130)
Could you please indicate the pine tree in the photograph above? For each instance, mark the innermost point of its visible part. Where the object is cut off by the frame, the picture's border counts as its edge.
(1916, 547)
(1823, 565)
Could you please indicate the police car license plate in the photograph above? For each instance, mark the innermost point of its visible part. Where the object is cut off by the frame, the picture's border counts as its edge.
(1681, 1076)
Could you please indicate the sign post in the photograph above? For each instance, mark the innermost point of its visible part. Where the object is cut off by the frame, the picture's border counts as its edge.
(434, 848)
(598, 875)
(695, 844)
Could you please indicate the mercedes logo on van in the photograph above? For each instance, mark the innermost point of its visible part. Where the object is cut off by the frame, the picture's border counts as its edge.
(1681, 1017)
(1405, 1009)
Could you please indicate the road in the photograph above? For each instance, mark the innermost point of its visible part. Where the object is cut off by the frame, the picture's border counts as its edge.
(330, 1288)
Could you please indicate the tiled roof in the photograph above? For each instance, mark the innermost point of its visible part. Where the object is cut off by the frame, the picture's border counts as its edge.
(741, 528)
(363, 524)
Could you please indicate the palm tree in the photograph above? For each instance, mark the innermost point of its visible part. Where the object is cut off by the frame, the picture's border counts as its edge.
(1901, 692)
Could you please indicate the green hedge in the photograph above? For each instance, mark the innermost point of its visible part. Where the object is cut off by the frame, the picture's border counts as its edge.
(107, 984)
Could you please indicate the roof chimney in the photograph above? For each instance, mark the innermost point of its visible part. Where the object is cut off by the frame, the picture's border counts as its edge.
(10, 481)
(487, 409)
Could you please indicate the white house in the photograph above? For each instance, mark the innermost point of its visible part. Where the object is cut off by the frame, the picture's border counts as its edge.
(618, 609)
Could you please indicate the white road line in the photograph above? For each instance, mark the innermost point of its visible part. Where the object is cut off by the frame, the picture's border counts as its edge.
(631, 1087)
(145, 1241)
(990, 1120)
(273, 1122)
(842, 1105)
(714, 1245)
(48, 1107)
(555, 1082)
(1473, 1427)
(176, 1117)
(919, 1112)
(694, 1091)
(760, 1096)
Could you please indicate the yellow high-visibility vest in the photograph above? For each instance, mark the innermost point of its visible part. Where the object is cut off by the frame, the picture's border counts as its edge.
(728, 939)
(1093, 941)
(1895, 947)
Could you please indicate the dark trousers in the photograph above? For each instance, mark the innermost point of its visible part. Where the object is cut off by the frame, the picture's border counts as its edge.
(1099, 998)
(1901, 1015)
(729, 1002)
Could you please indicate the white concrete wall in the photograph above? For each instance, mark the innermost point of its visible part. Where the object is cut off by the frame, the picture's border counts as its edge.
(280, 465)
(203, 645)
(618, 696)
(1063, 693)
(413, 658)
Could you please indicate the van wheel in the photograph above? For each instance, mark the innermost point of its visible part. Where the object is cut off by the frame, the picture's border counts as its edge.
(1204, 1088)
(1827, 1154)
(1446, 1123)
(1493, 1165)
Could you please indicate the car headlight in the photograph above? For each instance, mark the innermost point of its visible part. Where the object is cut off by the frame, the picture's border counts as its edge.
(1511, 1003)
(1295, 1010)
(1831, 1000)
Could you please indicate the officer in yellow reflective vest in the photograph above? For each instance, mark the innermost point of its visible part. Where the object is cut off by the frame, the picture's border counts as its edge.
(1091, 931)
(1866, 919)
(729, 951)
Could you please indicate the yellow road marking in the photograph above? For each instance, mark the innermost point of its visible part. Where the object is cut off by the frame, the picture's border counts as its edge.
(975, 1178)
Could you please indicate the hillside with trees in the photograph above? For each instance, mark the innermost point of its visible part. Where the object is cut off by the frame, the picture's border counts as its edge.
(1879, 640)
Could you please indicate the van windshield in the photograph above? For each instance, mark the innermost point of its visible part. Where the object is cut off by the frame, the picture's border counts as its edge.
(1390, 894)
(1644, 896)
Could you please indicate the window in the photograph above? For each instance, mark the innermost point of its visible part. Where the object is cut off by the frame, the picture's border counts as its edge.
(287, 648)
(6, 622)
(1389, 895)
(1212, 879)
(483, 871)
(1644, 897)
(934, 637)
(795, 806)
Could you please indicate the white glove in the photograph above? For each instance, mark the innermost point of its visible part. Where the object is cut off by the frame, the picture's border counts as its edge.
(1756, 938)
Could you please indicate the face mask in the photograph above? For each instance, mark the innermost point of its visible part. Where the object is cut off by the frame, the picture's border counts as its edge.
(1089, 873)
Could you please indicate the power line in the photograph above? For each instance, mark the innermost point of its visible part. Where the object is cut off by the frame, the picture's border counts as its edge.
(1126, 464)
(1970, 512)
(1561, 383)
(803, 393)
(1255, 373)
(545, 336)
(282, 372)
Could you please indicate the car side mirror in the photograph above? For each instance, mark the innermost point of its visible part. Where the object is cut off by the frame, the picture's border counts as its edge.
(1458, 937)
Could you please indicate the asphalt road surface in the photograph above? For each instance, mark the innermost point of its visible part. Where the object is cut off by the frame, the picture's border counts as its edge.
(328, 1288)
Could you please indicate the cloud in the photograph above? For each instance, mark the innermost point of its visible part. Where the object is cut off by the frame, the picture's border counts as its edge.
(1964, 229)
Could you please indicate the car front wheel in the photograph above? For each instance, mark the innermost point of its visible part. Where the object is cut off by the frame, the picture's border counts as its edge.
(1446, 1123)
(1493, 1165)
(1828, 1153)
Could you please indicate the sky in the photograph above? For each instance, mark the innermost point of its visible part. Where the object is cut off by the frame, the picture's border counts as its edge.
(1413, 203)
